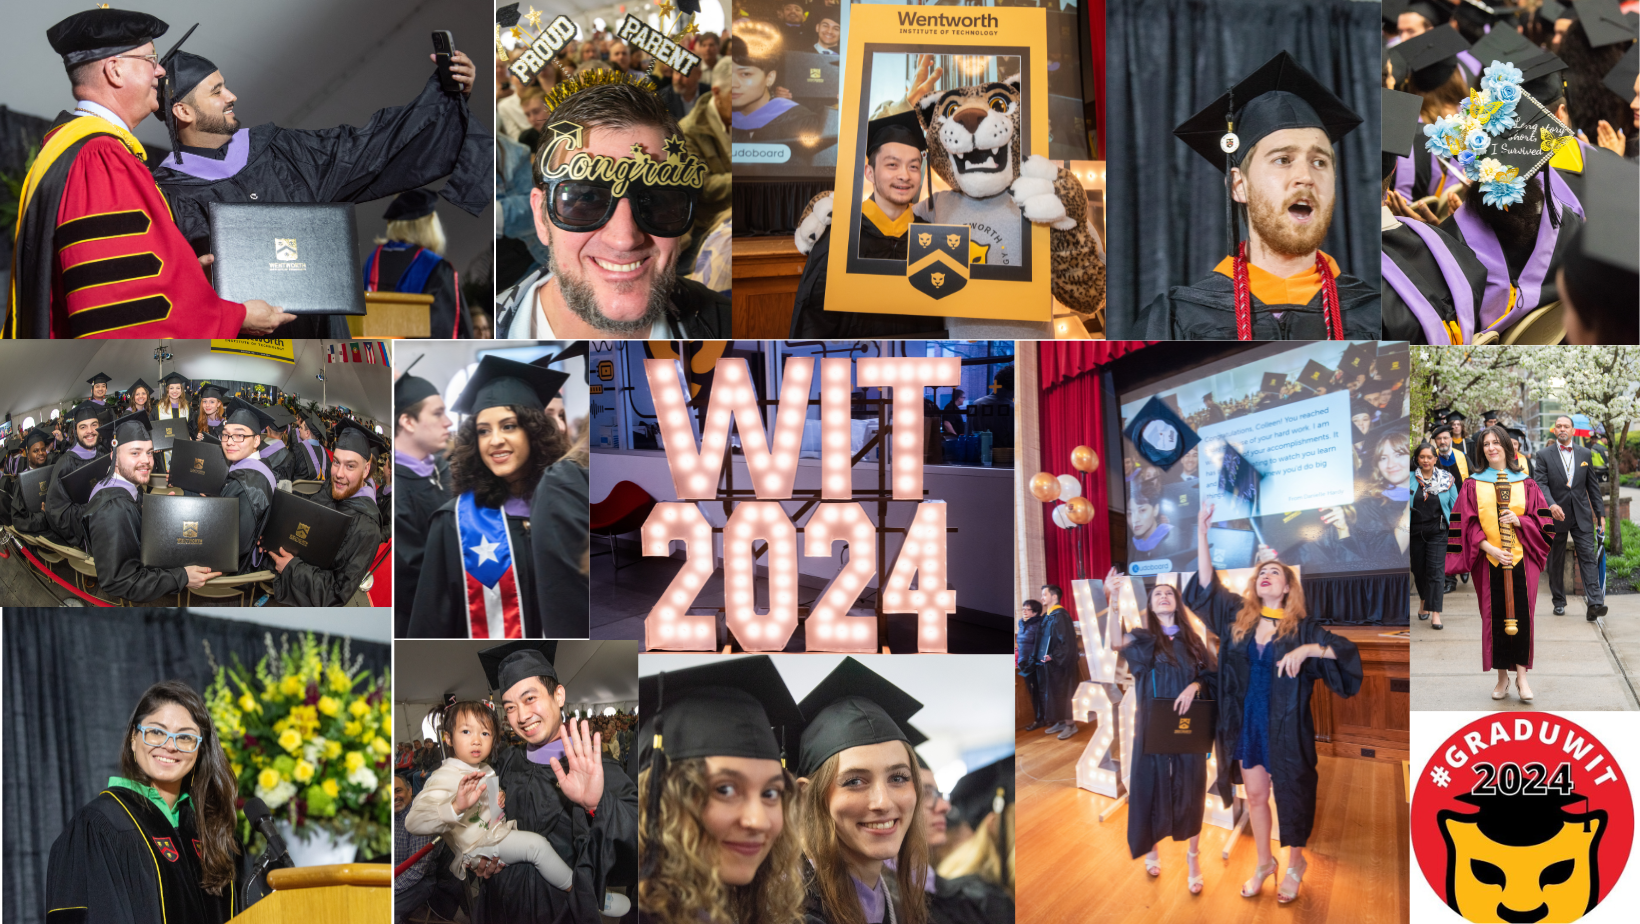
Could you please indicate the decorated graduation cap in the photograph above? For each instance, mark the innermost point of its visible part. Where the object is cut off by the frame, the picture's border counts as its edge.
(507, 664)
(900, 128)
(175, 378)
(1429, 59)
(502, 382)
(1500, 138)
(245, 414)
(102, 33)
(728, 708)
(410, 205)
(132, 428)
(209, 390)
(355, 437)
(1603, 22)
(1401, 127)
(1620, 79)
(1161, 437)
(853, 707)
(983, 791)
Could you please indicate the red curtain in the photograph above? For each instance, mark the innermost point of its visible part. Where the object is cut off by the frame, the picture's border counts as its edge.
(1071, 358)
(1096, 31)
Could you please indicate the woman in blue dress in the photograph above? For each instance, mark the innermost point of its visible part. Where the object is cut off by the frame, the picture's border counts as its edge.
(1270, 655)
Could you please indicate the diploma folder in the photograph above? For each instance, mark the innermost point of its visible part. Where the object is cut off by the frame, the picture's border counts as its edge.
(179, 530)
(33, 485)
(165, 433)
(307, 529)
(198, 466)
(1167, 732)
(301, 257)
(79, 482)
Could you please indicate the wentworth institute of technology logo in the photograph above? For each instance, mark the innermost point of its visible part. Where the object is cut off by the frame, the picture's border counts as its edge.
(1522, 818)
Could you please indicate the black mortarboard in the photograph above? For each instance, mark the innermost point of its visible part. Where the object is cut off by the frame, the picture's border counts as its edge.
(1436, 12)
(354, 437)
(209, 390)
(1360, 405)
(1159, 435)
(1443, 428)
(1524, 820)
(1521, 147)
(282, 417)
(1273, 382)
(853, 707)
(1517, 433)
(1279, 95)
(1430, 58)
(1612, 199)
(133, 427)
(1552, 10)
(1603, 22)
(410, 390)
(1314, 375)
(139, 383)
(505, 665)
(1541, 76)
(506, 17)
(1488, 415)
(1401, 128)
(246, 414)
(410, 205)
(175, 378)
(315, 424)
(1357, 359)
(40, 434)
(99, 379)
(1620, 79)
(901, 128)
(102, 33)
(1502, 45)
(976, 795)
(168, 92)
(728, 708)
(86, 410)
(503, 382)
(185, 71)
(1476, 15)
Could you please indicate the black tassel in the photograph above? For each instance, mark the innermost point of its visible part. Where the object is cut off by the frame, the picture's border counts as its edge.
(1549, 200)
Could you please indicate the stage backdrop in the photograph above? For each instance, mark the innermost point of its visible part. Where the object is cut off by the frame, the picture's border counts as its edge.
(72, 678)
(1169, 58)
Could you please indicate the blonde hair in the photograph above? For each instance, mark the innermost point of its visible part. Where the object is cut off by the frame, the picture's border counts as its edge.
(426, 231)
(1252, 607)
(829, 874)
(988, 854)
(682, 886)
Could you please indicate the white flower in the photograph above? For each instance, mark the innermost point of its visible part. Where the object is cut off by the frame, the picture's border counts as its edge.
(364, 778)
(278, 795)
(314, 751)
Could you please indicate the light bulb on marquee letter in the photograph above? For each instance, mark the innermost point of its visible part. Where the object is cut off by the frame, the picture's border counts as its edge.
(695, 471)
(908, 376)
(923, 554)
(751, 521)
(667, 625)
(836, 445)
(829, 627)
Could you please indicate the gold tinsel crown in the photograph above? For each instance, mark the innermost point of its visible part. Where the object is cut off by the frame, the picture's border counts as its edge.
(593, 77)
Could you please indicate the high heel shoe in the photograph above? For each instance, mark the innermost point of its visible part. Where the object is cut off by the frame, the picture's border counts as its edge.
(1502, 689)
(1153, 863)
(1525, 694)
(1298, 879)
(1195, 882)
(1260, 874)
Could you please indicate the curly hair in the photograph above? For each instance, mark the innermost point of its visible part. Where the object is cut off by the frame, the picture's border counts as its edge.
(469, 471)
(829, 875)
(682, 885)
(1252, 607)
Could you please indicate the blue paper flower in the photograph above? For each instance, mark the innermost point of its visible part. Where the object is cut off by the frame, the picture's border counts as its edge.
(1467, 159)
(1506, 93)
(1502, 194)
(1500, 73)
(1477, 141)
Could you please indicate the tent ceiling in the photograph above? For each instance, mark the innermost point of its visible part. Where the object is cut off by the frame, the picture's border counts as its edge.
(594, 672)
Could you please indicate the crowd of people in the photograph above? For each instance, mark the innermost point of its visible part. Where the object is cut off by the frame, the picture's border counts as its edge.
(1479, 242)
(268, 447)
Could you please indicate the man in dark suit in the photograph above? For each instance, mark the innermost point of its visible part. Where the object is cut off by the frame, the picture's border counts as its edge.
(1566, 475)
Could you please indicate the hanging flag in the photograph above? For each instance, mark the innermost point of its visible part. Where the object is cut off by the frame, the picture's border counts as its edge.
(493, 609)
(355, 352)
(1580, 425)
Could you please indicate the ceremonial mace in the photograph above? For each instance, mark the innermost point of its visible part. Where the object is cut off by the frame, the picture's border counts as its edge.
(1506, 536)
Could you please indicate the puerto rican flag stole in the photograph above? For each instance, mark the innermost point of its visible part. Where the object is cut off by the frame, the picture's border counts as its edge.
(486, 558)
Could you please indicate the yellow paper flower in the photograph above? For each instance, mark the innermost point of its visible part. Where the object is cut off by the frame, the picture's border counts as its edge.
(268, 778)
(329, 706)
(290, 739)
(330, 788)
(358, 708)
(303, 771)
(354, 760)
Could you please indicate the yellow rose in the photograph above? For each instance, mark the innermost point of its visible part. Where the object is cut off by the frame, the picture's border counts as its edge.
(355, 760)
(330, 788)
(381, 747)
(351, 729)
(303, 771)
(268, 778)
(339, 682)
(291, 686)
(358, 708)
(329, 706)
(248, 703)
(333, 750)
(290, 739)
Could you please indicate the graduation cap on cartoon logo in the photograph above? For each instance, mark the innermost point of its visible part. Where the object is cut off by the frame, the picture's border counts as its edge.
(1159, 435)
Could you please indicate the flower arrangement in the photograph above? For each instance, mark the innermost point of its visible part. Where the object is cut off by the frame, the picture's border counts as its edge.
(308, 732)
(1466, 137)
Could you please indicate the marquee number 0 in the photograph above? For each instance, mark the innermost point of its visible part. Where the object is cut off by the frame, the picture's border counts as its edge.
(1511, 780)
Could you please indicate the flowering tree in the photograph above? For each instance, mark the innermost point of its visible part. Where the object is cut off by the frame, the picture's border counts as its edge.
(1466, 378)
(1600, 381)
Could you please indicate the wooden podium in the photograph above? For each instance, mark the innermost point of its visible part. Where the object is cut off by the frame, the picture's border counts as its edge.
(392, 314)
(340, 894)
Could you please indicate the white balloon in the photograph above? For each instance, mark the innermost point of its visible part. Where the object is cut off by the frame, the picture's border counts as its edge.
(1062, 519)
(1069, 487)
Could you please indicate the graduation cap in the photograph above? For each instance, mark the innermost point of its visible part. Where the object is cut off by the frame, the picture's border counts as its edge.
(1281, 94)
(175, 378)
(1552, 10)
(1541, 76)
(102, 33)
(1612, 234)
(139, 383)
(86, 410)
(900, 128)
(314, 423)
(1358, 357)
(983, 791)
(209, 390)
(1401, 128)
(1394, 360)
(1456, 416)
(185, 71)
(1273, 382)
(282, 417)
(1477, 15)
(1620, 79)
(1430, 58)
(1517, 433)
(1443, 428)
(1360, 405)
(132, 428)
(354, 437)
(1434, 12)
(1502, 45)
(245, 414)
(1400, 426)
(728, 708)
(37, 435)
(99, 379)
(1488, 415)
(1524, 820)
(506, 664)
(503, 382)
(410, 205)
(853, 707)
(176, 71)
(1603, 22)
(1159, 435)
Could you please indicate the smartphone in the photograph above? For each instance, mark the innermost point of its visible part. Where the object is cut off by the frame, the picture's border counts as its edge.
(444, 44)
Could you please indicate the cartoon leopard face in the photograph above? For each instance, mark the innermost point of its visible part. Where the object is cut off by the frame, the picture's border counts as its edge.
(973, 136)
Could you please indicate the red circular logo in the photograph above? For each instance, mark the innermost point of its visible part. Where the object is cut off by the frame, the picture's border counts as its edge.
(1522, 818)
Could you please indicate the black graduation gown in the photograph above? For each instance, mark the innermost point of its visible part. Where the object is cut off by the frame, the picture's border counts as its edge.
(811, 320)
(26, 518)
(969, 900)
(419, 497)
(121, 861)
(1057, 678)
(1413, 257)
(560, 521)
(440, 609)
(283, 463)
(1292, 728)
(602, 850)
(113, 531)
(1206, 310)
(302, 584)
(255, 497)
(62, 514)
(301, 466)
(1167, 793)
(444, 321)
(1516, 258)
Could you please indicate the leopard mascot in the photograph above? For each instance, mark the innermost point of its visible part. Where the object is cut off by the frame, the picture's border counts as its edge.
(974, 145)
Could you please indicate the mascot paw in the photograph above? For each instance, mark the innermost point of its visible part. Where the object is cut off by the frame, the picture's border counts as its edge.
(816, 218)
(1038, 167)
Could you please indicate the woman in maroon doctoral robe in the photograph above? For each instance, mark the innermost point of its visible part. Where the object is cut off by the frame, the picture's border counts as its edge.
(1475, 540)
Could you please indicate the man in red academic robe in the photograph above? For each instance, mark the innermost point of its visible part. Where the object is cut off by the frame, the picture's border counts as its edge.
(98, 254)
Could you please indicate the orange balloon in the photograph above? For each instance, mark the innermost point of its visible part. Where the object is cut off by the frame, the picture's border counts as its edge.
(1084, 459)
(1044, 487)
(1079, 510)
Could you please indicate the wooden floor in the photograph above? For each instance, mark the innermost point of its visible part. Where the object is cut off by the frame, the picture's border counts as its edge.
(1071, 868)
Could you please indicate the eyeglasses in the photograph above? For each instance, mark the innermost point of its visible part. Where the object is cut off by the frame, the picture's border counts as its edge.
(186, 742)
(151, 59)
(587, 205)
(236, 437)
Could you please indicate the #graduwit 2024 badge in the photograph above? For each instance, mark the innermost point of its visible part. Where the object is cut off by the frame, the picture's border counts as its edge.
(1522, 818)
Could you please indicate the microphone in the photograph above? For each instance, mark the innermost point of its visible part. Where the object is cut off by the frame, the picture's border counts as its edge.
(256, 812)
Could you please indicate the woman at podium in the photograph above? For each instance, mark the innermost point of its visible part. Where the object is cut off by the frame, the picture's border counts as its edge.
(157, 845)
